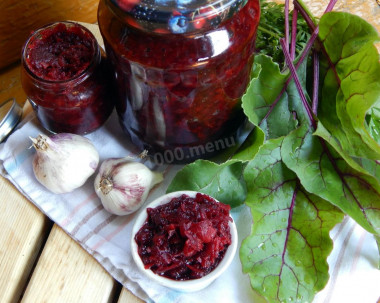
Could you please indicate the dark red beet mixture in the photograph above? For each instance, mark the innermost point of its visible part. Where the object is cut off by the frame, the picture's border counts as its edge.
(61, 53)
(67, 80)
(186, 238)
(185, 89)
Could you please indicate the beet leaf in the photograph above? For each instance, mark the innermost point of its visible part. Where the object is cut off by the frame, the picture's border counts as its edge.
(262, 92)
(356, 193)
(349, 43)
(285, 255)
(363, 165)
(224, 182)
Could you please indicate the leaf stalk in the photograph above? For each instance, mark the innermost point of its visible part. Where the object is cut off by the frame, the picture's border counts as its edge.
(293, 72)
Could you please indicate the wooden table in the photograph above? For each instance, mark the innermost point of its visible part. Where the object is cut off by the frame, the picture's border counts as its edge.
(39, 262)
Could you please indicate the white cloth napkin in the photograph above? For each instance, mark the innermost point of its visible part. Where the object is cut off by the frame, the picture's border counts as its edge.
(353, 273)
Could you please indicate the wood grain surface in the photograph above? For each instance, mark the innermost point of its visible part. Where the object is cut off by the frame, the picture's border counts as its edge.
(10, 84)
(19, 18)
(84, 280)
(24, 232)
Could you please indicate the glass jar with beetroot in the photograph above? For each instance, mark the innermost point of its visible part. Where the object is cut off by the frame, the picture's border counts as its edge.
(67, 78)
(181, 68)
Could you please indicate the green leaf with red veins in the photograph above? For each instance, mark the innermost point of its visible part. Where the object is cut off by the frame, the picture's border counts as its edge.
(285, 255)
(324, 172)
(370, 166)
(352, 86)
(363, 165)
(266, 84)
(258, 101)
(248, 150)
(224, 182)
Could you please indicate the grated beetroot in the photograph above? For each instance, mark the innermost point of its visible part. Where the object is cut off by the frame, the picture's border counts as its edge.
(67, 78)
(61, 53)
(186, 238)
(179, 91)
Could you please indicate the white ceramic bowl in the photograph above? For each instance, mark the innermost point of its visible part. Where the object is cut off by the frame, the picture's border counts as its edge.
(188, 285)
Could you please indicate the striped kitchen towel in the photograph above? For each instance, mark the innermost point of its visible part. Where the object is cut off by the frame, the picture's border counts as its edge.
(354, 276)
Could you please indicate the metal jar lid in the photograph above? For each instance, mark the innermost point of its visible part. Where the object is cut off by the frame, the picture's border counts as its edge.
(10, 116)
(175, 16)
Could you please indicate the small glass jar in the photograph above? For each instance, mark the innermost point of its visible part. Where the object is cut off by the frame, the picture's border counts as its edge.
(67, 79)
(181, 69)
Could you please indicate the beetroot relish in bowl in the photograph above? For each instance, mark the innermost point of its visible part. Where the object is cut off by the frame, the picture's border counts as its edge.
(185, 238)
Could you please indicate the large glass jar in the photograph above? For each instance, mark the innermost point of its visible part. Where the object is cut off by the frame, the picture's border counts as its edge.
(181, 68)
(67, 79)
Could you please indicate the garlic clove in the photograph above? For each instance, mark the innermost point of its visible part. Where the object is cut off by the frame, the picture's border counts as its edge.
(123, 185)
(63, 162)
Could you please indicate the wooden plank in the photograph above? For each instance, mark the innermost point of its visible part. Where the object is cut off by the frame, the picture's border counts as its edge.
(127, 297)
(20, 18)
(24, 230)
(10, 84)
(65, 273)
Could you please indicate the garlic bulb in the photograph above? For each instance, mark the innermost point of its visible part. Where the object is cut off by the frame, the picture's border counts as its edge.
(63, 162)
(123, 185)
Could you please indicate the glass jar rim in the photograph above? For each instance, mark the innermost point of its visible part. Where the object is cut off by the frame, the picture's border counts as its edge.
(175, 16)
(79, 77)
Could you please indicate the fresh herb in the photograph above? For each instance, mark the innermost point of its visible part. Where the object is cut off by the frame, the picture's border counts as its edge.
(309, 160)
(272, 28)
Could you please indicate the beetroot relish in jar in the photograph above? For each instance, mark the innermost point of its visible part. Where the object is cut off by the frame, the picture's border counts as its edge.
(185, 238)
(181, 68)
(67, 79)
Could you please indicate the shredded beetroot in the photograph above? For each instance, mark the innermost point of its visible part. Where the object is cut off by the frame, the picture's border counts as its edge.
(61, 53)
(186, 238)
